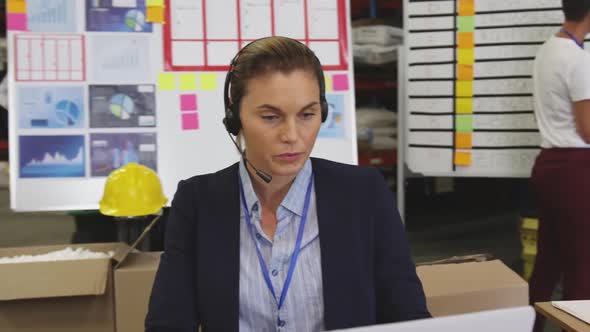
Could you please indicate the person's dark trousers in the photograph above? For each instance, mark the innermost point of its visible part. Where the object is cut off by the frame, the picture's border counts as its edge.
(561, 183)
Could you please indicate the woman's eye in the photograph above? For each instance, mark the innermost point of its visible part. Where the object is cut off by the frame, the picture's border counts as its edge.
(269, 117)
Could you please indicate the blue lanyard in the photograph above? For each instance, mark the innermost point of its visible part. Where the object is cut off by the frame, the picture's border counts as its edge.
(572, 37)
(295, 250)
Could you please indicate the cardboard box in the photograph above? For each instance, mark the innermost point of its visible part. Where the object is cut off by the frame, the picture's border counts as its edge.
(70, 295)
(470, 287)
(134, 279)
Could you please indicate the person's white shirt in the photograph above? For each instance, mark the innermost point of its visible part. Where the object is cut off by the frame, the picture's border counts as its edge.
(561, 77)
(4, 92)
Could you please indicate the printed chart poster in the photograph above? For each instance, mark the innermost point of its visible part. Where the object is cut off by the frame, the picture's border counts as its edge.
(115, 106)
(117, 16)
(111, 151)
(120, 58)
(334, 125)
(50, 57)
(51, 15)
(50, 107)
(51, 156)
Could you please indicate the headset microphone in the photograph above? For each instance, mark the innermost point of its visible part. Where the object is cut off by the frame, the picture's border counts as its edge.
(261, 174)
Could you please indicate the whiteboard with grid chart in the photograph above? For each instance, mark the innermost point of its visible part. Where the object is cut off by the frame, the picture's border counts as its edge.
(469, 85)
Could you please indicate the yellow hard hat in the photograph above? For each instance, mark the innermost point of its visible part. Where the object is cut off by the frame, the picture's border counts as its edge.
(132, 190)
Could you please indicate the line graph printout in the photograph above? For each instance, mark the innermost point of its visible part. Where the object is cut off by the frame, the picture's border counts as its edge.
(49, 57)
(470, 88)
(197, 37)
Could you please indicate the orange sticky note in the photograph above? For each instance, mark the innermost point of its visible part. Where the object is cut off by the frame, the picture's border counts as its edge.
(466, 39)
(465, 72)
(462, 158)
(466, 56)
(464, 88)
(16, 6)
(155, 14)
(464, 105)
(466, 7)
(463, 140)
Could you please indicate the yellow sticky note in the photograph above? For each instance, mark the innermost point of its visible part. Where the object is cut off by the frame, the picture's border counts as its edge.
(462, 158)
(464, 105)
(328, 82)
(465, 72)
(463, 140)
(188, 82)
(16, 6)
(464, 88)
(166, 81)
(209, 81)
(466, 56)
(155, 3)
(155, 14)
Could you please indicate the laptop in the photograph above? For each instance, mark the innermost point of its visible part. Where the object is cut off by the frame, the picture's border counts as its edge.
(520, 319)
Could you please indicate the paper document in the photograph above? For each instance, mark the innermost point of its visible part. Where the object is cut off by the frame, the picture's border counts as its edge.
(579, 309)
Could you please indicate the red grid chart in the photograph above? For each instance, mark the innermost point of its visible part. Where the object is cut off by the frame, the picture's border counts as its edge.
(204, 35)
(49, 57)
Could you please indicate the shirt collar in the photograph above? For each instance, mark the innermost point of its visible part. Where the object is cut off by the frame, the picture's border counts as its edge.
(295, 198)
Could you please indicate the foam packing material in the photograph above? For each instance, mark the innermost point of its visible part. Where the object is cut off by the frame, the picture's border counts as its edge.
(60, 255)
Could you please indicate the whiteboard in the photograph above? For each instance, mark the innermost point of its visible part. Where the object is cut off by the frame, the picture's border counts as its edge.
(92, 86)
(469, 103)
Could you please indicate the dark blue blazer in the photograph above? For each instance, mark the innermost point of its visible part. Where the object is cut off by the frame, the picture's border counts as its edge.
(367, 273)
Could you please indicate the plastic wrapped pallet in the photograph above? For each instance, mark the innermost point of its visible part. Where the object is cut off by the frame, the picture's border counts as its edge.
(383, 35)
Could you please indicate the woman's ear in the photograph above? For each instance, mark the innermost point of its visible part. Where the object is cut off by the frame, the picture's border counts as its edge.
(239, 140)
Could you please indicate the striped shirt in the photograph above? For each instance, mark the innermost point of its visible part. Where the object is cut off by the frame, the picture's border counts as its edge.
(303, 308)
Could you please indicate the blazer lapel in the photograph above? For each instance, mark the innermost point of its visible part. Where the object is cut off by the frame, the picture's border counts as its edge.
(223, 237)
(333, 211)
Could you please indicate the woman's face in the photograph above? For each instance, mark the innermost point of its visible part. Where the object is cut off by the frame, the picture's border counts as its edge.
(281, 118)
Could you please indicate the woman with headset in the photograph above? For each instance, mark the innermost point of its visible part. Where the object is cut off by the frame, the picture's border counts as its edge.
(281, 241)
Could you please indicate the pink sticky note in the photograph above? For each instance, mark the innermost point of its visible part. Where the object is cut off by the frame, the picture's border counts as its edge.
(16, 21)
(340, 82)
(190, 121)
(188, 102)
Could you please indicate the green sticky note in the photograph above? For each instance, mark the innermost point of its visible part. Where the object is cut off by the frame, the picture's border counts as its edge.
(155, 3)
(208, 81)
(188, 82)
(466, 23)
(464, 124)
(166, 81)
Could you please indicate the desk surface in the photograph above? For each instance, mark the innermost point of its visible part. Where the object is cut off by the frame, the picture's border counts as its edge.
(562, 318)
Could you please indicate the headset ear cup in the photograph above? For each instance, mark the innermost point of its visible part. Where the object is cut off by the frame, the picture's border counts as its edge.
(325, 108)
(232, 122)
(237, 123)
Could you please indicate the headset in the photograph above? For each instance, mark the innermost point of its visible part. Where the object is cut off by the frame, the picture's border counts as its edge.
(232, 122)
